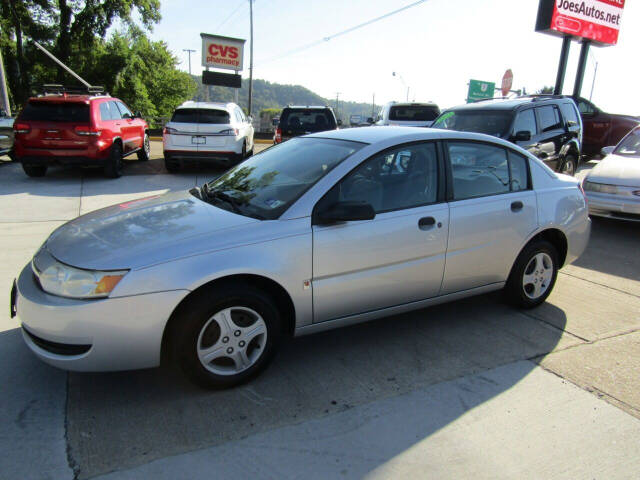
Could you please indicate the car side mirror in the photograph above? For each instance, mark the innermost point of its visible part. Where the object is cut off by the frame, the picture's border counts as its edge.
(339, 122)
(138, 114)
(607, 150)
(522, 136)
(346, 211)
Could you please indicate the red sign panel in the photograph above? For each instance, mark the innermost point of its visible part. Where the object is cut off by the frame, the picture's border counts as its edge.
(596, 20)
(507, 82)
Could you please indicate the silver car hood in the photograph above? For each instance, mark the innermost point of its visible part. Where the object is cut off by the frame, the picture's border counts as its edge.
(143, 232)
(617, 170)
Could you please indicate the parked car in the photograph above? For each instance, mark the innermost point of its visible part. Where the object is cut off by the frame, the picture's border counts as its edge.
(298, 120)
(319, 232)
(91, 129)
(548, 126)
(408, 114)
(215, 132)
(602, 129)
(613, 185)
(6, 136)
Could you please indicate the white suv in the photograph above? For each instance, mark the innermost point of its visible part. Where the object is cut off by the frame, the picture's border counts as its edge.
(220, 132)
(408, 114)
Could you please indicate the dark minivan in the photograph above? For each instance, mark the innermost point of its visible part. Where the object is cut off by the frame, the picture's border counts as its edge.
(548, 126)
(296, 121)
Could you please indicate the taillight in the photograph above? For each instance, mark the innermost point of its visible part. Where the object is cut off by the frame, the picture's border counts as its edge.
(230, 131)
(169, 130)
(87, 131)
(278, 135)
(21, 128)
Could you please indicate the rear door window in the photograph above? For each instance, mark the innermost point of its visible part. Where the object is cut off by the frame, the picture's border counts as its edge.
(478, 170)
(56, 112)
(307, 119)
(105, 114)
(549, 118)
(416, 113)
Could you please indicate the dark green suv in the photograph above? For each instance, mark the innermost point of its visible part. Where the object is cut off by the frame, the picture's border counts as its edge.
(548, 126)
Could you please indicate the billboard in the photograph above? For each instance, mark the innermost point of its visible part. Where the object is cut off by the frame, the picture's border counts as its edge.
(479, 90)
(595, 20)
(222, 52)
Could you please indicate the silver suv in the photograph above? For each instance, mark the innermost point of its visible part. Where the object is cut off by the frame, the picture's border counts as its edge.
(408, 114)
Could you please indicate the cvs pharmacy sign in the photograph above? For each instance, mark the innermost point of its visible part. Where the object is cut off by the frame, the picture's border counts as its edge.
(222, 52)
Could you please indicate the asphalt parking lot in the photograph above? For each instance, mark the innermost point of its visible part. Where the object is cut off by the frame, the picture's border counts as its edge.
(473, 388)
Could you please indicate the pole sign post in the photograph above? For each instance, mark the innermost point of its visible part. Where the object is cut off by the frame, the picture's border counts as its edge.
(222, 52)
(595, 20)
(479, 90)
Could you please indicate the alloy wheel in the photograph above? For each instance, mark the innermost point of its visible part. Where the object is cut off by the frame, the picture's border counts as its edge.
(232, 340)
(537, 276)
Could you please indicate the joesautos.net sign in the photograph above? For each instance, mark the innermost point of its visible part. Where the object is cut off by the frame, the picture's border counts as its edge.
(596, 20)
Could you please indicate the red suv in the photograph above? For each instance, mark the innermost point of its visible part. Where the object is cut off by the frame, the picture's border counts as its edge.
(90, 129)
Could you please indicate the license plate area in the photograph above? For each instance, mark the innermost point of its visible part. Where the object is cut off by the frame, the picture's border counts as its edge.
(198, 140)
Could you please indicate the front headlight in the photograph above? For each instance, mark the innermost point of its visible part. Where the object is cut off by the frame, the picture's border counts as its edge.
(59, 279)
(600, 188)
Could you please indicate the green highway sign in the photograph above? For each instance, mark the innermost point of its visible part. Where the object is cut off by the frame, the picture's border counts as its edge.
(479, 90)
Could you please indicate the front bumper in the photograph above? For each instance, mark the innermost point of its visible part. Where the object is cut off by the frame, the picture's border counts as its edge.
(122, 333)
(614, 206)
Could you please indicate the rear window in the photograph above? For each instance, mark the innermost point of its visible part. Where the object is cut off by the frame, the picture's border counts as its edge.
(308, 120)
(56, 112)
(200, 115)
(417, 113)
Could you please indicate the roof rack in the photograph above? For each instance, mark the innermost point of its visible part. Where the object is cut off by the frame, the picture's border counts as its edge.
(489, 99)
(56, 89)
(538, 97)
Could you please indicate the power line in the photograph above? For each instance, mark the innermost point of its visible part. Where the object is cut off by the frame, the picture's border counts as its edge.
(242, 4)
(344, 32)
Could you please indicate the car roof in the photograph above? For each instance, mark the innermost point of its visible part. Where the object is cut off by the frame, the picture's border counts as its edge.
(509, 103)
(207, 105)
(376, 134)
(69, 98)
(413, 104)
(308, 106)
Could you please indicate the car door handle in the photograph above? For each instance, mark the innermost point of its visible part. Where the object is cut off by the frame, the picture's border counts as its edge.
(516, 206)
(426, 222)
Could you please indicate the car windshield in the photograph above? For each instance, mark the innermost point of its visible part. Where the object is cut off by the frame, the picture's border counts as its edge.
(629, 145)
(307, 119)
(56, 112)
(490, 122)
(416, 113)
(200, 115)
(266, 184)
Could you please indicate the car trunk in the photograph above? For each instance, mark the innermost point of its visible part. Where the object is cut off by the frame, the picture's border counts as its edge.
(198, 128)
(52, 125)
(301, 121)
(213, 129)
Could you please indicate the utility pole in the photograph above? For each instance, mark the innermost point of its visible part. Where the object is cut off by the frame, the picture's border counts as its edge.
(250, 54)
(189, 51)
(5, 91)
(337, 99)
(373, 107)
(593, 84)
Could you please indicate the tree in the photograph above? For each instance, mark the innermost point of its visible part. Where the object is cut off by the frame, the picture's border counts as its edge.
(71, 29)
(545, 91)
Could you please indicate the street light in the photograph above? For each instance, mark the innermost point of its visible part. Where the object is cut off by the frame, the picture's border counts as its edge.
(395, 74)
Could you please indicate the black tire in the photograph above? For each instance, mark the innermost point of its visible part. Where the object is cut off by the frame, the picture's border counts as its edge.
(569, 165)
(519, 294)
(113, 166)
(172, 166)
(145, 151)
(241, 156)
(35, 170)
(250, 153)
(197, 314)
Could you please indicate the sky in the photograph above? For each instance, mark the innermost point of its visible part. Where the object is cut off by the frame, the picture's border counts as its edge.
(434, 47)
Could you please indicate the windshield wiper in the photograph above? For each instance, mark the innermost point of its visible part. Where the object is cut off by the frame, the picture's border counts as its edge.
(220, 195)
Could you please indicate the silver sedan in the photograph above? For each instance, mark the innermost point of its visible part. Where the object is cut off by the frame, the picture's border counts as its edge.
(613, 186)
(319, 232)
